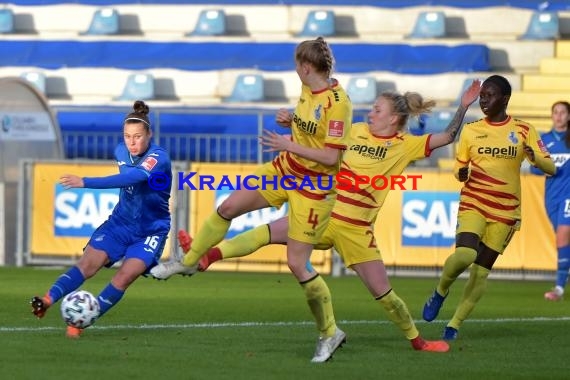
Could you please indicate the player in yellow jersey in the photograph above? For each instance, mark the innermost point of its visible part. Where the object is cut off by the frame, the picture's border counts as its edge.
(319, 126)
(379, 147)
(489, 157)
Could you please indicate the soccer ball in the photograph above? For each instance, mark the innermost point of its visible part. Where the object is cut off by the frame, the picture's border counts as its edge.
(80, 309)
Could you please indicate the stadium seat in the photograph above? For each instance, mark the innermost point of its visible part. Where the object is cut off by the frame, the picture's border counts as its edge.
(542, 26)
(210, 23)
(6, 21)
(247, 88)
(319, 23)
(429, 25)
(38, 79)
(362, 89)
(105, 21)
(138, 87)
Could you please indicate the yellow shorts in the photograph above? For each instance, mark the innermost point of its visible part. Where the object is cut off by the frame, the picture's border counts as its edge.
(308, 218)
(495, 235)
(355, 244)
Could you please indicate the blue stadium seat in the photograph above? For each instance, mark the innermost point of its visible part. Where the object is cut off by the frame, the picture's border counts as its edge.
(362, 89)
(105, 21)
(247, 88)
(210, 23)
(6, 21)
(542, 26)
(319, 23)
(138, 87)
(37, 78)
(429, 25)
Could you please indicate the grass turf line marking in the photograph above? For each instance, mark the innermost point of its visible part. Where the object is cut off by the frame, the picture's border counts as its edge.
(213, 325)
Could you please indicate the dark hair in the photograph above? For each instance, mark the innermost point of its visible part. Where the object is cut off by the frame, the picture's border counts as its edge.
(318, 53)
(139, 114)
(501, 82)
(567, 105)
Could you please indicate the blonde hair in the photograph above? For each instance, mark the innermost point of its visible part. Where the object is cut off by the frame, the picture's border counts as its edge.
(317, 53)
(409, 104)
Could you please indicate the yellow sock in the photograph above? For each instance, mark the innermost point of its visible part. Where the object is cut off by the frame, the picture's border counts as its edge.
(245, 243)
(472, 293)
(319, 300)
(398, 313)
(211, 233)
(455, 264)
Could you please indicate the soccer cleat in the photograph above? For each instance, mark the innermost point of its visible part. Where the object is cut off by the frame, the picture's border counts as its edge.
(73, 332)
(327, 346)
(164, 271)
(184, 240)
(204, 263)
(553, 295)
(449, 333)
(432, 306)
(435, 346)
(40, 305)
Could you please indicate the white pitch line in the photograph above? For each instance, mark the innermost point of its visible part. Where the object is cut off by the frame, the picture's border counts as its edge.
(213, 325)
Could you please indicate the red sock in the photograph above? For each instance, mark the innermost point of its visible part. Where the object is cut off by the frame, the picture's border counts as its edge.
(213, 255)
(418, 343)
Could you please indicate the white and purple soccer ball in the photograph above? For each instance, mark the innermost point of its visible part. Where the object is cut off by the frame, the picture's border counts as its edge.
(80, 309)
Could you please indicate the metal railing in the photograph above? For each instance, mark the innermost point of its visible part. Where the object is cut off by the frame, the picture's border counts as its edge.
(182, 146)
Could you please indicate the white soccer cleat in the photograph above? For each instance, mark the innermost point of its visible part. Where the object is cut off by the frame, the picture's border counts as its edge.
(164, 271)
(327, 346)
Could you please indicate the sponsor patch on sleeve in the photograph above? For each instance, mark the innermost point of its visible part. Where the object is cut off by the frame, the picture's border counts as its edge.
(336, 128)
(541, 146)
(149, 163)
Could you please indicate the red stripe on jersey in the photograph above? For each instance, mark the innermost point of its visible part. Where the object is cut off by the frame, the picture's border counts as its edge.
(488, 203)
(354, 202)
(470, 207)
(307, 194)
(353, 189)
(498, 194)
(427, 150)
(346, 219)
(487, 178)
(300, 169)
(336, 146)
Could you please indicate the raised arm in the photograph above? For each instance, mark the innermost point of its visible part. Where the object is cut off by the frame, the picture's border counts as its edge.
(448, 136)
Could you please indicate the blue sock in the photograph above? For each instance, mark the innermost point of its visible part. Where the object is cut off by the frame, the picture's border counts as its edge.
(65, 284)
(563, 266)
(108, 298)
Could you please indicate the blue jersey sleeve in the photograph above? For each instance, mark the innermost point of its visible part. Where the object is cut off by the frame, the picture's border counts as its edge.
(130, 177)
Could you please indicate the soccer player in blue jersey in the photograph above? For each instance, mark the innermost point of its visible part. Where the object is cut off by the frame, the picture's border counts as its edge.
(557, 193)
(138, 227)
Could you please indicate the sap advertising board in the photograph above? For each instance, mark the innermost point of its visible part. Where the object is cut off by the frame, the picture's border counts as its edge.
(78, 212)
(251, 219)
(429, 218)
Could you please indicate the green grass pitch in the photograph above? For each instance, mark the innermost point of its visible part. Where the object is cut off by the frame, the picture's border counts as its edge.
(257, 326)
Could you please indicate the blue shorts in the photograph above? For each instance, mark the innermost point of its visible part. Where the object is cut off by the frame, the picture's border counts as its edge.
(559, 212)
(118, 243)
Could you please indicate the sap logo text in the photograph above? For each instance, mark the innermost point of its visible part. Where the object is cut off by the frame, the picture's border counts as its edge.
(78, 212)
(251, 219)
(429, 219)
